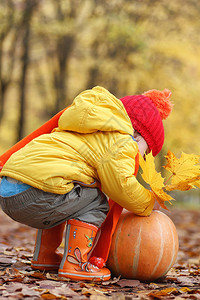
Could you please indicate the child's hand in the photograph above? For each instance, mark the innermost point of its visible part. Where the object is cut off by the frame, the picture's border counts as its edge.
(156, 205)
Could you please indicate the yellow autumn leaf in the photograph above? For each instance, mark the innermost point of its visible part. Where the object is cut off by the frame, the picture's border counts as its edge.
(185, 171)
(161, 197)
(154, 179)
(185, 185)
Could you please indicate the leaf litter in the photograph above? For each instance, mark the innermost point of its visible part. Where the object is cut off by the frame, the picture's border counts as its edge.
(19, 281)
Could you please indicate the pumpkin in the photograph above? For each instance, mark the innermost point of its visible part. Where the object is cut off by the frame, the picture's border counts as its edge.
(143, 248)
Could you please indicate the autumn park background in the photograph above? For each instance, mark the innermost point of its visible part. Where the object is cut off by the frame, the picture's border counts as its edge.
(52, 50)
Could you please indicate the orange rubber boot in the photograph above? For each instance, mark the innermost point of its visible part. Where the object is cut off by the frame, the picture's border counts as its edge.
(78, 243)
(45, 255)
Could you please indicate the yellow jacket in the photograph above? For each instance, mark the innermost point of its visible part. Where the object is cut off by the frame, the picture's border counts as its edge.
(93, 144)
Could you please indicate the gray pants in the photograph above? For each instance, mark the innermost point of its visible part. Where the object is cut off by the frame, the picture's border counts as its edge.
(44, 210)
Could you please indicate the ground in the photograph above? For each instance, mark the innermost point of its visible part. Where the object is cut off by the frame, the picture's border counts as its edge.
(18, 281)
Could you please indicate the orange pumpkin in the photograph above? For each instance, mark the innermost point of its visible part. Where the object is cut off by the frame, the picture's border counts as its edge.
(143, 248)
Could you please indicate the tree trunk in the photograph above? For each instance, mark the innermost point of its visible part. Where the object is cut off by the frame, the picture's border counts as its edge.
(64, 48)
(5, 80)
(28, 12)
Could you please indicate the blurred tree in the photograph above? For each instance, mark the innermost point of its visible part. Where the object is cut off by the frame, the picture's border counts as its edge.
(7, 50)
(29, 8)
(115, 42)
(62, 50)
(60, 29)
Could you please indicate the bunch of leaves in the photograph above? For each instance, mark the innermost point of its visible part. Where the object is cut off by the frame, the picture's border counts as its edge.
(185, 171)
(185, 175)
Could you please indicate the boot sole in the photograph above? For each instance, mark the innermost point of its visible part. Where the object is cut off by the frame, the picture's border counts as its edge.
(84, 276)
(43, 267)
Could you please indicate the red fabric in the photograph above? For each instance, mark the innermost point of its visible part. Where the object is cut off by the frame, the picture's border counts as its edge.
(107, 229)
(146, 119)
(45, 128)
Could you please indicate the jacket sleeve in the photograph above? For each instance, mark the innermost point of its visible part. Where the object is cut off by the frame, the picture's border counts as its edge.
(116, 173)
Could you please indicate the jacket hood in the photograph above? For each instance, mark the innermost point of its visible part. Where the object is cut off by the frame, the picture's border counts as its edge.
(96, 110)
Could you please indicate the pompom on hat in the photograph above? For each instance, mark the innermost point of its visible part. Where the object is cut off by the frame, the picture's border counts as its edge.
(146, 113)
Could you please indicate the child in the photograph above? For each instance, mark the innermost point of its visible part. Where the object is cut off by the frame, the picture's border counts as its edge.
(66, 175)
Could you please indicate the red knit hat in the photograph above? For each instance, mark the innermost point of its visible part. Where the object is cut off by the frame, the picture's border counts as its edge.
(146, 113)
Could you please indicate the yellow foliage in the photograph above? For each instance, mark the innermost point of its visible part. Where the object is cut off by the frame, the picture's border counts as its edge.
(185, 175)
(185, 185)
(185, 171)
(154, 179)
